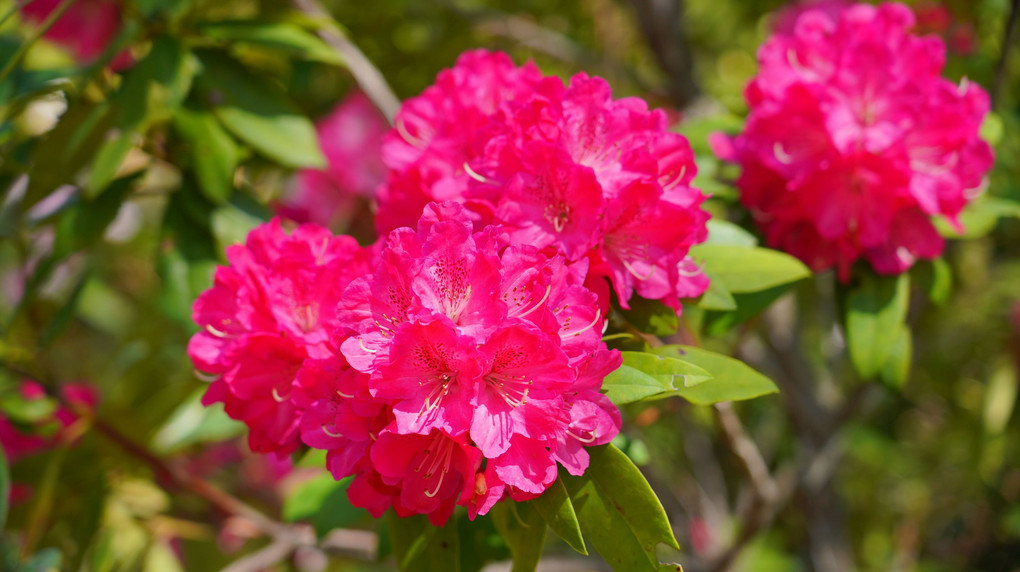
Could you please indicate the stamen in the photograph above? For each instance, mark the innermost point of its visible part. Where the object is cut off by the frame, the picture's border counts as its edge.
(209, 328)
(344, 395)
(598, 316)
(635, 273)
(476, 176)
(330, 433)
(277, 398)
(207, 377)
(781, 155)
(406, 136)
(548, 289)
(362, 344)
(582, 439)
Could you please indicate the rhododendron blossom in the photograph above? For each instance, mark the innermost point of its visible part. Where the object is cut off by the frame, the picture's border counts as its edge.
(561, 167)
(854, 142)
(86, 28)
(351, 138)
(267, 312)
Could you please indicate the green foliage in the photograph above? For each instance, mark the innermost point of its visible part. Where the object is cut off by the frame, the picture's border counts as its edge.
(875, 313)
(523, 529)
(732, 380)
(322, 502)
(558, 512)
(650, 376)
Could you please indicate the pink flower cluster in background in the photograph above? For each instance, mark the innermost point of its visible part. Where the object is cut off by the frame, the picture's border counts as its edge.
(85, 29)
(19, 441)
(854, 141)
(351, 138)
(561, 167)
(457, 367)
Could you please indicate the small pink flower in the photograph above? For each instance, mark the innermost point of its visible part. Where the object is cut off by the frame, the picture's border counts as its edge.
(854, 141)
(351, 137)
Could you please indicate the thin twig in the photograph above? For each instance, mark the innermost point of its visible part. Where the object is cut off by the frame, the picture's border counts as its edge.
(369, 78)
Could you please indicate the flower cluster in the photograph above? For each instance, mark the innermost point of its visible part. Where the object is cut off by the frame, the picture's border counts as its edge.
(456, 367)
(854, 141)
(561, 167)
(351, 139)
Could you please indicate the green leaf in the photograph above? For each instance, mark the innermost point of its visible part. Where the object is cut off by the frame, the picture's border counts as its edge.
(897, 367)
(258, 113)
(26, 411)
(282, 36)
(84, 224)
(748, 306)
(876, 310)
(555, 508)
(619, 513)
(5, 489)
(741, 269)
(732, 379)
(322, 502)
(717, 297)
(646, 375)
(523, 529)
(935, 278)
(651, 316)
(1000, 398)
(725, 232)
(152, 90)
(193, 423)
(419, 546)
(214, 154)
(979, 217)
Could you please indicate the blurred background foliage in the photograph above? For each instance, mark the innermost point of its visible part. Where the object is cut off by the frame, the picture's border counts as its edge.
(122, 189)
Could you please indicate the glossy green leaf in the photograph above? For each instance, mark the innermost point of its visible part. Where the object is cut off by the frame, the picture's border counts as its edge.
(322, 502)
(192, 423)
(421, 547)
(741, 269)
(646, 375)
(875, 311)
(748, 306)
(523, 530)
(152, 90)
(619, 513)
(725, 232)
(555, 508)
(281, 36)
(651, 317)
(897, 368)
(213, 152)
(257, 113)
(935, 278)
(732, 379)
(1000, 398)
(717, 297)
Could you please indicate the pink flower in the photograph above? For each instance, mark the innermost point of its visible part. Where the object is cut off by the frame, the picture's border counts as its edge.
(458, 347)
(854, 141)
(85, 29)
(351, 137)
(270, 310)
(565, 168)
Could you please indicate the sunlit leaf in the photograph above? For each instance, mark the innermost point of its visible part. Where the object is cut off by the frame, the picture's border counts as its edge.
(742, 269)
(282, 36)
(214, 154)
(651, 316)
(322, 502)
(646, 375)
(419, 546)
(732, 379)
(875, 311)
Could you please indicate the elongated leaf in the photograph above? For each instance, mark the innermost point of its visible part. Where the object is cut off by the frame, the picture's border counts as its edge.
(897, 367)
(651, 316)
(935, 278)
(732, 380)
(741, 269)
(322, 502)
(876, 310)
(646, 375)
(980, 217)
(193, 423)
(725, 232)
(523, 530)
(214, 154)
(5, 489)
(419, 546)
(555, 508)
(619, 513)
(282, 36)
(717, 297)
(257, 113)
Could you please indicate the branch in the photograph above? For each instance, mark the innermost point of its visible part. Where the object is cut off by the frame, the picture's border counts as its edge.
(369, 78)
(662, 25)
(1008, 35)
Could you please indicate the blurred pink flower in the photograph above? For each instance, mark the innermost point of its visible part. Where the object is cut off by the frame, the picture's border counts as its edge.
(351, 137)
(85, 29)
(854, 141)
